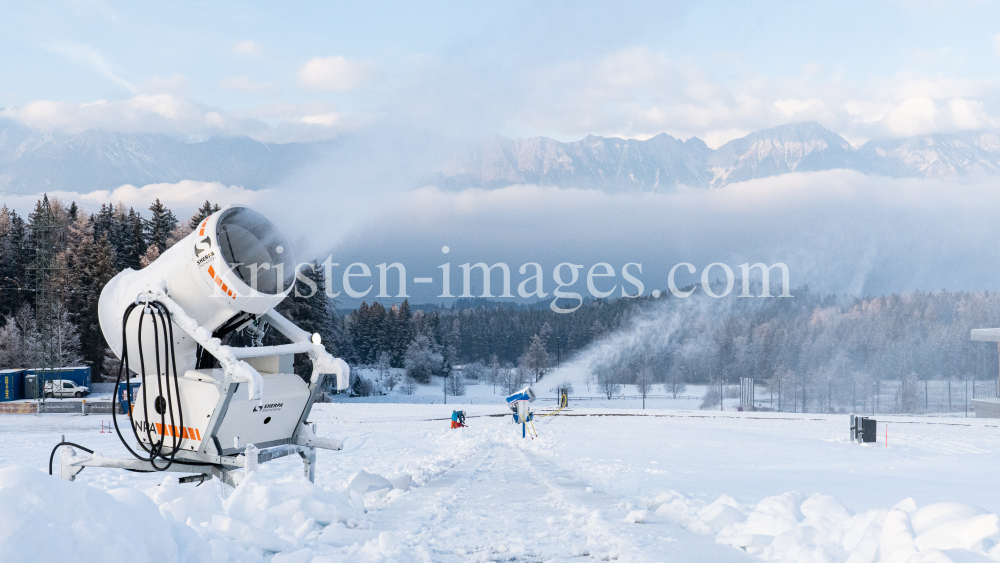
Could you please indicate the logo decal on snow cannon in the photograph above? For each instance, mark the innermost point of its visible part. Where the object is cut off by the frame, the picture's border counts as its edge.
(270, 407)
(201, 246)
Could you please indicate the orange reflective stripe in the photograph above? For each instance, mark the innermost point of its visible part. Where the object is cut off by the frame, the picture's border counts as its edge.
(185, 432)
(211, 271)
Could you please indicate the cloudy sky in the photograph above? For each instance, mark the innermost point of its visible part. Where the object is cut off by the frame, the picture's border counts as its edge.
(716, 70)
(398, 78)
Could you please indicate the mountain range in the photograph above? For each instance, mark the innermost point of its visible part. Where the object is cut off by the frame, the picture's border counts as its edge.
(33, 161)
(663, 162)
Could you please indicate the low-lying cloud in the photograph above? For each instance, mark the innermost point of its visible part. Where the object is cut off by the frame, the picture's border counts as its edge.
(837, 231)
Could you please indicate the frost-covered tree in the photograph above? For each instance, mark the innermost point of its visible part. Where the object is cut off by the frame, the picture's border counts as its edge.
(423, 359)
(536, 358)
(609, 382)
(644, 382)
(409, 385)
(475, 371)
(383, 363)
(675, 383)
(494, 372)
(455, 383)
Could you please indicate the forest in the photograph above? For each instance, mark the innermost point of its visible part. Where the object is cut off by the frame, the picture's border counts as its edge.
(810, 338)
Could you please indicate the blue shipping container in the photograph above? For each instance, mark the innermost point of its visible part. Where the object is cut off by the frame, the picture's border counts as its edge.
(78, 375)
(123, 392)
(11, 384)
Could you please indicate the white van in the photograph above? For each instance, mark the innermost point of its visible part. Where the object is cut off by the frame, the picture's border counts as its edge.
(65, 388)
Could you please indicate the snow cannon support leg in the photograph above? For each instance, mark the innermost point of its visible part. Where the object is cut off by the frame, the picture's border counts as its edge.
(309, 463)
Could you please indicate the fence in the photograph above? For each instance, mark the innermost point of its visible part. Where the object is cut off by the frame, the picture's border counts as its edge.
(885, 396)
(68, 407)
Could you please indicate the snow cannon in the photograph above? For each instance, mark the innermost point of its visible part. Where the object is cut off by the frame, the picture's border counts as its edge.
(190, 326)
(519, 402)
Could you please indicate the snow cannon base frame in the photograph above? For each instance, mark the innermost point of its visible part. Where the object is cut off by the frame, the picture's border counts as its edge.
(211, 458)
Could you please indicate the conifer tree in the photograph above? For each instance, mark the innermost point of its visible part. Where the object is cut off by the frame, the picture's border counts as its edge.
(205, 210)
(161, 223)
(309, 308)
(24, 255)
(8, 273)
(100, 270)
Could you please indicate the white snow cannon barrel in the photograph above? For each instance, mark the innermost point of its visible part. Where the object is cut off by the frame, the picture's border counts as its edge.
(235, 264)
(175, 323)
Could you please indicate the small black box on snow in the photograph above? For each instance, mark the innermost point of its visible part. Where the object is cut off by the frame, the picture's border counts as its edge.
(863, 429)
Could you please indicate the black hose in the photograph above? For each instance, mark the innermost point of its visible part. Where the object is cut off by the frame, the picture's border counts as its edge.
(57, 446)
(156, 448)
(155, 451)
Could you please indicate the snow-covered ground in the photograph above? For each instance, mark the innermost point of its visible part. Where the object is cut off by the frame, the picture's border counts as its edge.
(600, 483)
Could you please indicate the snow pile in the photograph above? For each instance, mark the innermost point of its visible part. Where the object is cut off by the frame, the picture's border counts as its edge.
(44, 518)
(792, 527)
(278, 517)
(167, 523)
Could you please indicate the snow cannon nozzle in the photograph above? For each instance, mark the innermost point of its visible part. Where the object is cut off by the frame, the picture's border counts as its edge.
(527, 395)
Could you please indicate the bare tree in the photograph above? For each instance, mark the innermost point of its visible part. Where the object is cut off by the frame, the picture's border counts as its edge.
(512, 378)
(391, 379)
(712, 396)
(522, 377)
(675, 381)
(382, 363)
(456, 383)
(644, 382)
(494, 372)
(608, 382)
(409, 386)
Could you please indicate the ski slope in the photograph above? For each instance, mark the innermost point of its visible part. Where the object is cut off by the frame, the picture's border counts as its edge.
(601, 484)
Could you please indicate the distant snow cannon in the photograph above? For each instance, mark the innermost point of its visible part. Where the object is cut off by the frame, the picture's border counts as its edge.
(520, 404)
(167, 323)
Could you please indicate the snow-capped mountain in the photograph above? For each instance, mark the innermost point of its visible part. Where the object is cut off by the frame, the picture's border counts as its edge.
(663, 162)
(33, 161)
(942, 155)
(795, 147)
(593, 162)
